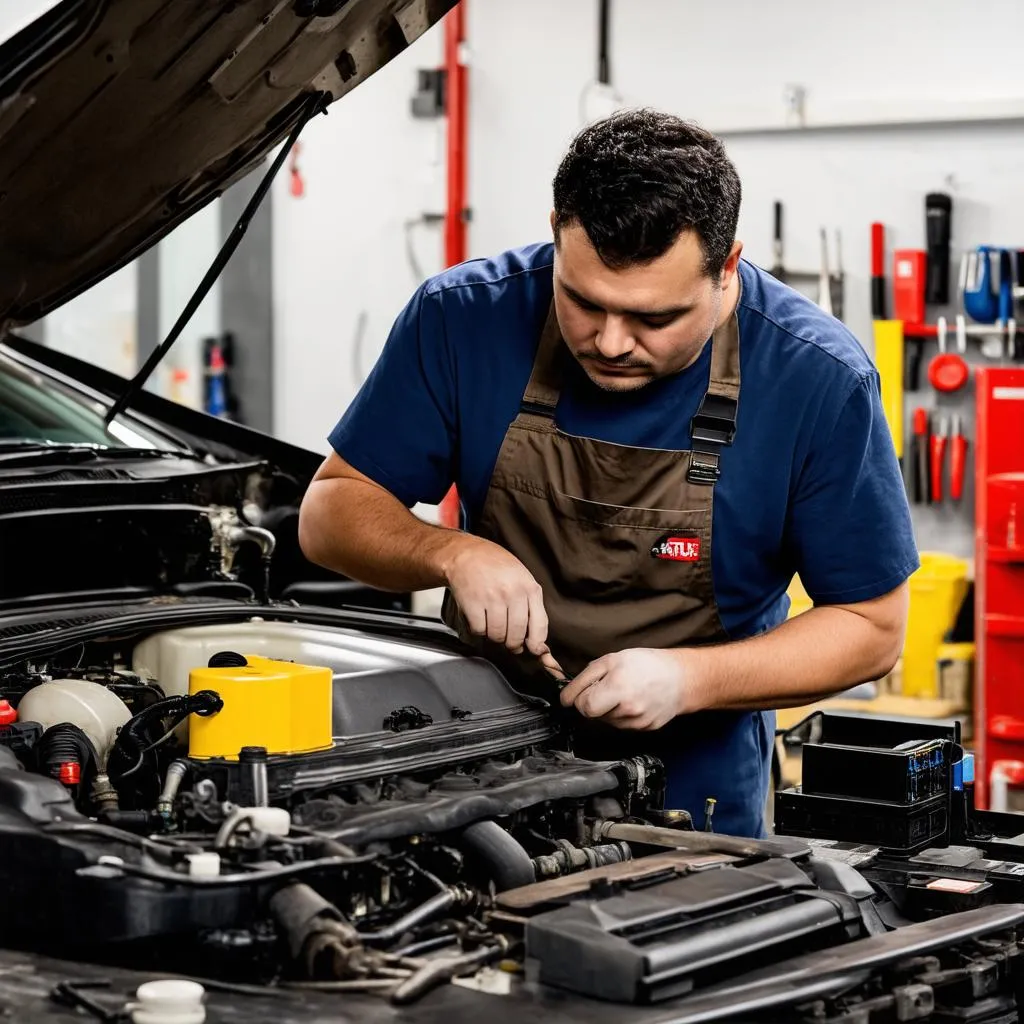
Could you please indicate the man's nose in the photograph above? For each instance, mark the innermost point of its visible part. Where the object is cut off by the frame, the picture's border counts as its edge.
(615, 339)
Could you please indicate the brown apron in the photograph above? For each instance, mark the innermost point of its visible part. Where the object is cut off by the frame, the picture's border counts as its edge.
(619, 538)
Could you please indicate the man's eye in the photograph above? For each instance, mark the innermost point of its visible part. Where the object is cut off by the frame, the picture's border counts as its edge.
(656, 322)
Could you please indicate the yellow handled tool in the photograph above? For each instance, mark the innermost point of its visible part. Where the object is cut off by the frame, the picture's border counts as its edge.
(889, 360)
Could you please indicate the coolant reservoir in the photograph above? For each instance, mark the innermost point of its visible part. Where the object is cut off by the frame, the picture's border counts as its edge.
(274, 704)
(97, 711)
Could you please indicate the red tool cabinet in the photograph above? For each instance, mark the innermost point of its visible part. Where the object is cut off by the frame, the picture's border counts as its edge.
(999, 573)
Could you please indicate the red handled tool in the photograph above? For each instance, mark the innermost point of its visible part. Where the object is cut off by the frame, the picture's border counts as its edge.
(919, 456)
(938, 455)
(878, 271)
(909, 270)
(957, 460)
(908, 288)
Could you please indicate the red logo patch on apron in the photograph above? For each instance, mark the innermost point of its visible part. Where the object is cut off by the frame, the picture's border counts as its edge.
(677, 549)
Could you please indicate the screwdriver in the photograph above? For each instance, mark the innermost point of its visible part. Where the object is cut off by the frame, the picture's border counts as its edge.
(938, 453)
(957, 460)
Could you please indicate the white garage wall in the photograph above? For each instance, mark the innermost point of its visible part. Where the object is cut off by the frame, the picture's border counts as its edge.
(341, 270)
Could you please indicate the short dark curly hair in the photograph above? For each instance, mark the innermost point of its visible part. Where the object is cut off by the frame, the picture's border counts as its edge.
(636, 180)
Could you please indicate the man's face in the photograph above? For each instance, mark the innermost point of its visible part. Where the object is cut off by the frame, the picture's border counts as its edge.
(631, 326)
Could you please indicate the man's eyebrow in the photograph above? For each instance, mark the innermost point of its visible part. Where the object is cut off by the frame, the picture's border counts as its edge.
(649, 314)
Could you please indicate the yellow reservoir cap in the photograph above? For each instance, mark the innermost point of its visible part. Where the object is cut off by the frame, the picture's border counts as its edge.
(274, 704)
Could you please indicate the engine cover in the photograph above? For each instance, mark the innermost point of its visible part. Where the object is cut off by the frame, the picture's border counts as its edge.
(396, 706)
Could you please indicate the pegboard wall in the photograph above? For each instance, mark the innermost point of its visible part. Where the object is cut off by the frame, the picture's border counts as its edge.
(845, 180)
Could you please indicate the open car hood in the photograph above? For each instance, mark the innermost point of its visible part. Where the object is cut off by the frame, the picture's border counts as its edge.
(120, 118)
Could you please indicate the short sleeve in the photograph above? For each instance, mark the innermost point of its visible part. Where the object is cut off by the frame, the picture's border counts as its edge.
(400, 429)
(849, 527)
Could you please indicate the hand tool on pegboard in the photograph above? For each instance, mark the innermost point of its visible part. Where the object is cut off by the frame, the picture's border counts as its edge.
(938, 457)
(889, 351)
(878, 302)
(829, 282)
(778, 267)
(889, 343)
(938, 214)
(908, 291)
(948, 371)
(980, 299)
(1007, 318)
(957, 459)
(918, 454)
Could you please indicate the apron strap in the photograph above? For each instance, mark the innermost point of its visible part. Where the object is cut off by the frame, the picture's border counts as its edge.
(545, 385)
(714, 425)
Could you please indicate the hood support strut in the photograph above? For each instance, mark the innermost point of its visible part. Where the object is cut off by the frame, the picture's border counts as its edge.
(317, 103)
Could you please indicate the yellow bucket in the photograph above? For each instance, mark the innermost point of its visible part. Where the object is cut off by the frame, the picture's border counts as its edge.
(937, 590)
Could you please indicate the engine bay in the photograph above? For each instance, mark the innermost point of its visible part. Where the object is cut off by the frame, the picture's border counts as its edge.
(300, 809)
(275, 803)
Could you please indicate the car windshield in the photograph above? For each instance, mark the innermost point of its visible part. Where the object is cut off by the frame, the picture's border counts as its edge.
(35, 409)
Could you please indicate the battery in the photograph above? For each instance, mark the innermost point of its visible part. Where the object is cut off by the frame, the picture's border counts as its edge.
(897, 828)
(909, 773)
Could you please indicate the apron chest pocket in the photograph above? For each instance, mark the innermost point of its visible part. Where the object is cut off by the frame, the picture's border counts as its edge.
(612, 551)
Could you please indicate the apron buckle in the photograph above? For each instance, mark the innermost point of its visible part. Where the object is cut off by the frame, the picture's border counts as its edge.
(715, 420)
(704, 468)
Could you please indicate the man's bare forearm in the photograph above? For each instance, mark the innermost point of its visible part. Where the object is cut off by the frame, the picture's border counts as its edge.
(360, 530)
(811, 656)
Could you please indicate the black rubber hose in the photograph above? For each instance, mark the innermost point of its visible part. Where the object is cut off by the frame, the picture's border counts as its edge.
(507, 862)
(64, 743)
(433, 907)
(132, 739)
(205, 702)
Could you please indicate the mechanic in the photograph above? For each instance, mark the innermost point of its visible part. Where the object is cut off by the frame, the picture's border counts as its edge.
(649, 436)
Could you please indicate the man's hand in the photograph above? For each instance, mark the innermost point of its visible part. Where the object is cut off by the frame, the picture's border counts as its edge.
(498, 596)
(640, 688)
(812, 655)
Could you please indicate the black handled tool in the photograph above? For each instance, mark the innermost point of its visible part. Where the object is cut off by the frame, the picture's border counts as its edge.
(878, 271)
(778, 269)
(938, 208)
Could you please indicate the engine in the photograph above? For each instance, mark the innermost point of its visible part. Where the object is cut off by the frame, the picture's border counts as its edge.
(271, 801)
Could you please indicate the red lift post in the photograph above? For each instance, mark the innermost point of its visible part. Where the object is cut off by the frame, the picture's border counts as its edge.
(456, 94)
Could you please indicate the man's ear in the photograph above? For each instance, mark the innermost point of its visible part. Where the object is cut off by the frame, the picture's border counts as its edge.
(732, 261)
(554, 230)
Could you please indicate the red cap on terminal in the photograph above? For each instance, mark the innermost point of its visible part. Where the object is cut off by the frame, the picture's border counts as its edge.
(70, 773)
(7, 713)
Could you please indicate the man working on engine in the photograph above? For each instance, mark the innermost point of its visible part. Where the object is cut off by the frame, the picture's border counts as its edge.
(649, 436)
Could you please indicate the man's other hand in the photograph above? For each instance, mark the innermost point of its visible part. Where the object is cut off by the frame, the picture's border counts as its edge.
(640, 688)
(498, 596)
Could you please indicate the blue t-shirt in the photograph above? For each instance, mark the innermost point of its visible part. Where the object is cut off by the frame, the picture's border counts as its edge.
(811, 484)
